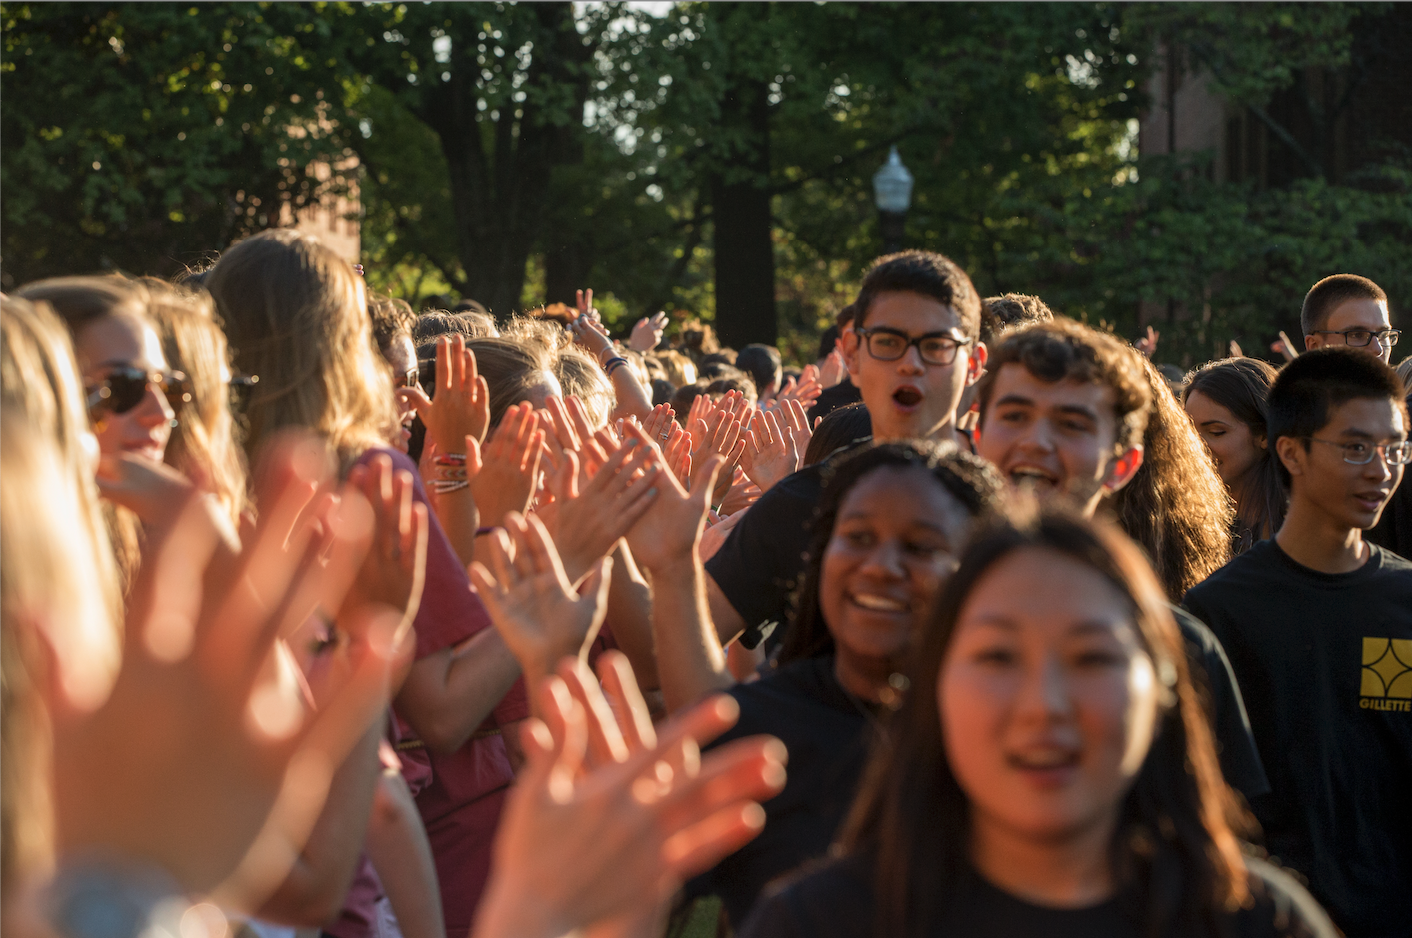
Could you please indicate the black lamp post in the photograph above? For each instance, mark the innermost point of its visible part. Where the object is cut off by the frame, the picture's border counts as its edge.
(892, 191)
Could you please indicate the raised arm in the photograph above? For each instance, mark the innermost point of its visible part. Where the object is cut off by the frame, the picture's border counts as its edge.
(690, 662)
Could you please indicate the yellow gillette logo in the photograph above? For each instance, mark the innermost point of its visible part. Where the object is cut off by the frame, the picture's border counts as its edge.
(1387, 674)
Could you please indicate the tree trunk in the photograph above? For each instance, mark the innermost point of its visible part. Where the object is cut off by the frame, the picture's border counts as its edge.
(500, 168)
(745, 258)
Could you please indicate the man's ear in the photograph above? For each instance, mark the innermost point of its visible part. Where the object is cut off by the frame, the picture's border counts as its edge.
(1311, 342)
(1290, 453)
(975, 363)
(848, 341)
(1122, 469)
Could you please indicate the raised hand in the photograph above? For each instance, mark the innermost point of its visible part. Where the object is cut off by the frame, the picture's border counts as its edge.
(394, 570)
(198, 746)
(647, 332)
(834, 369)
(592, 512)
(583, 301)
(741, 494)
(461, 407)
(509, 472)
(658, 424)
(590, 333)
(531, 600)
(678, 453)
(806, 390)
(770, 454)
(721, 437)
(671, 528)
(596, 830)
(702, 408)
(794, 419)
(1285, 347)
(1147, 344)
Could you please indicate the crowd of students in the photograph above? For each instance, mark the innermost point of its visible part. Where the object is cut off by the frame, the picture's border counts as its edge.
(320, 614)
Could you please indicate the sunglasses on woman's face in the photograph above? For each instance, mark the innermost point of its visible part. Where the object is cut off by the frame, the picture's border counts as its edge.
(124, 388)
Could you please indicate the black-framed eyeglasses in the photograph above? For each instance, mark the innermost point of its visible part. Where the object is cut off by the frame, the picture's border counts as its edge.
(123, 388)
(1358, 338)
(1361, 453)
(888, 345)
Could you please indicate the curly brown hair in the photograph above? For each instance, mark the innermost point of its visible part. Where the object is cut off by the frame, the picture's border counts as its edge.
(1065, 350)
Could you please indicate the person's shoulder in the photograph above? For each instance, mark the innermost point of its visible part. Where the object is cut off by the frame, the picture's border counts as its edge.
(831, 900)
(400, 460)
(1390, 563)
(805, 483)
(1281, 907)
(1258, 563)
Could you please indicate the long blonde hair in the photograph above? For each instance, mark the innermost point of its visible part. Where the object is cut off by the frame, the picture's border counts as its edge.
(39, 380)
(204, 445)
(58, 582)
(296, 316)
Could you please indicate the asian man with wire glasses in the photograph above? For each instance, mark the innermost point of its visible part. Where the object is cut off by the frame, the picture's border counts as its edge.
(1317, 623)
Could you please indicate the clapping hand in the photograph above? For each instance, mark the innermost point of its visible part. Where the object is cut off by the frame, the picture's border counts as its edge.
(834, 369)
(671, 528)
(770, 454)
(461, 407)
(658, 424)
(509, 472)
(197, 746)
(609, 817)
(721, 436)
(806, 390)
(394, 570)
(531, 600)
(590, 512)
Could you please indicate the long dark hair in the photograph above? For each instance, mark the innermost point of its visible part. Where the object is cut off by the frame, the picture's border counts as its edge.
(1175, 856)
(1240, 386)
(970, 480)
(1176, 505)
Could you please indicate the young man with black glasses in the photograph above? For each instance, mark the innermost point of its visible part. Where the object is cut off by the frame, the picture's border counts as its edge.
(1348, 310)
(1318, 626)
(911, 349)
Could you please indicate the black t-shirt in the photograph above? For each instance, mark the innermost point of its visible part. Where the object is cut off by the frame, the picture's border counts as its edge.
(1240, 761)
(826, 732)
(840, 395)
(837, 902)
(1325, 661)
(759, 565)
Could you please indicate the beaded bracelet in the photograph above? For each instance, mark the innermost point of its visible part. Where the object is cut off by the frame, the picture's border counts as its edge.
(446, 486)
(450, 459)
(613, 364)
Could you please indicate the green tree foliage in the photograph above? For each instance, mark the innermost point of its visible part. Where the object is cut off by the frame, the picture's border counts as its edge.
(604, 146)
(138, 136)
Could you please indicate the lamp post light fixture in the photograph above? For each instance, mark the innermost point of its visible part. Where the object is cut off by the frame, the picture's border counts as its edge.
(892, 192)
